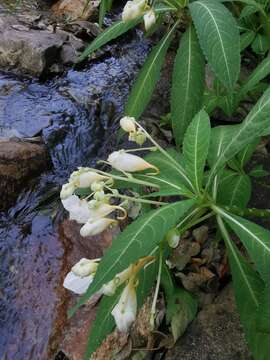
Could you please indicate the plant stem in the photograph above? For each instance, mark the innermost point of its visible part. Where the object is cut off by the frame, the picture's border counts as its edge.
(139, 200)
(248, 212)
(153, 308)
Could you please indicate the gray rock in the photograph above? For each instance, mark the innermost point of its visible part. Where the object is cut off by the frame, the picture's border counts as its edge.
(216, 333)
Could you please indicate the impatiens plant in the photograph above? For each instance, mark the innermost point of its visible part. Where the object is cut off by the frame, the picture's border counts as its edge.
(208, 179)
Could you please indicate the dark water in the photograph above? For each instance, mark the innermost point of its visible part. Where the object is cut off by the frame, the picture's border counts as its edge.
(75, 115)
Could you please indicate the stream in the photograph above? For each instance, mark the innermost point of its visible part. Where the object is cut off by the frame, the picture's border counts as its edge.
(75, 114)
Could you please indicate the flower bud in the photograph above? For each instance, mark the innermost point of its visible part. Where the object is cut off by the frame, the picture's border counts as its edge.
(124, 312)
(97, 186)
(84, 267)
(173, 238)
(149, 19)
(140, 138)
(84, 178)
(127, 124)
(92, 228)
(133, 9)
(67, 190)
(122, 161)
(110, 288)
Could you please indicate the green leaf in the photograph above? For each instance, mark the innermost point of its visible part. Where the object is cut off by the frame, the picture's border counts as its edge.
(148, 76)
(181, 307)
(233, 189)
(170, 178)
(117, 29)
(261, 44)
(219, 38)
(244, 155)
(195, 148)
(104, 6)
(248, 288)
(229, 140)
(246, 39)
(261, 71)
(136, 241)
(187, 84)
(248, 10)
(258, 172)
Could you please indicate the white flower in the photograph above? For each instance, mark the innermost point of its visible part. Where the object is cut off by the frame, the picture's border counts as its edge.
(109, 288)
(77, 284)
(67, 190)
(95, 227)
(149, 19)
(85, 267)
(78, 209)
(124, 312)
(122, 161)
(133, 9)
(127, 123)
(84, 178)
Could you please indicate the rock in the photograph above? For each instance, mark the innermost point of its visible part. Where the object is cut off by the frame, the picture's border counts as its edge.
(35, 51)
(75, 9)
(216, 333)
(19, 161)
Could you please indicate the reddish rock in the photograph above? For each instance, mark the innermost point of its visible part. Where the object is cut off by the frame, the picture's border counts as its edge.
(19, 162)
(75, 9)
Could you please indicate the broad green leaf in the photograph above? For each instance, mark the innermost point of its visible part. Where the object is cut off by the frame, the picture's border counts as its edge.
(229, 140)
(117, 29)
(261, 44)
(244, 155)
(219, 38)
(136, 241)
(181, 307)
(104, 322)
(148, 76)
(187, 84)
(248, 10)
(261, 71)
(195, 148)
(248, 288)
(246, 39)
(234, 189)
(257, 242)
(170, 178)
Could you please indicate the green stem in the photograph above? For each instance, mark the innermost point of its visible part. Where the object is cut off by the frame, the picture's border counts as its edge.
(153, 308)
(139, 200)
(261, 213)
(150, 148)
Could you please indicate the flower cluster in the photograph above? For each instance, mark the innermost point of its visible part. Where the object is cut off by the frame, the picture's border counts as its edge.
(124, 313)
(136, 8)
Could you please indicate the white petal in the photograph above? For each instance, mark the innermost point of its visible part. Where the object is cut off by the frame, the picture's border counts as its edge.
(149, 19)
(67, 190)
(77, 284)
(123, 161)
(127, 124)
(78, 209)
(84, 267)
(95, 227)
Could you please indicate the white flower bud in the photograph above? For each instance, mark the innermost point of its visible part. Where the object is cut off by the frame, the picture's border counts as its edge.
(85, 267)
(124, 312)
(92, 228)
(84, 178)
(109, 288)
(77, 284)
(67, 190)
(78, 209)
(149, 19)
(127, 124)
(122, 161)
(133, 9)
(173, 238)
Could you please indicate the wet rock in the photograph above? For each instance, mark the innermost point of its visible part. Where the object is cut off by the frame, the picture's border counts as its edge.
(35, 50)
(216, 333)
(19, 161)
(75, 9)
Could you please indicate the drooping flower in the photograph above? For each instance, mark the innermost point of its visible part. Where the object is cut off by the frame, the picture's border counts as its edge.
(95, 227)
(127, 123)
(67, 190)
(84, 178)
(149, 19)
(81, 276)
(123, 161)
(125, 311)
(78, 209)
(133, 9)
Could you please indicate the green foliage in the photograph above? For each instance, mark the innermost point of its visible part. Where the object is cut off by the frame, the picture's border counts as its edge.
(219, 39)
(187, 83)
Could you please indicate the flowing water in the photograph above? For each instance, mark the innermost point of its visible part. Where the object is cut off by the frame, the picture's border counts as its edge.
(75, 115)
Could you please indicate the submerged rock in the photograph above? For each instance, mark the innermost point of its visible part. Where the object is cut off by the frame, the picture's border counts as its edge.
(19, 161)
(216, 333)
